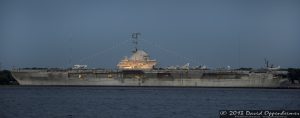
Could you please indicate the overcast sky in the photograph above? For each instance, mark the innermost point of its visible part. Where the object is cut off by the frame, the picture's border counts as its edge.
(215, 33)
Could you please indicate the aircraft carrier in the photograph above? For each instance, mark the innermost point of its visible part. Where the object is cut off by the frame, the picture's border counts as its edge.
(139, 70)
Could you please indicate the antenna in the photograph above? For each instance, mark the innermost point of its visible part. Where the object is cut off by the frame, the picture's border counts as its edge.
(267, 62)
(70, 49)
(135, 37)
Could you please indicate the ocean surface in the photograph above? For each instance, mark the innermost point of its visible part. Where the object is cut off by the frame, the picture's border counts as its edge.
(138, 102)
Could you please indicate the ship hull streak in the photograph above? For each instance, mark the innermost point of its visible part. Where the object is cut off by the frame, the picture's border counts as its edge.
(199, 80)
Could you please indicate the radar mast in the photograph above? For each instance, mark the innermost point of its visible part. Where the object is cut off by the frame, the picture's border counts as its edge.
(135, 37)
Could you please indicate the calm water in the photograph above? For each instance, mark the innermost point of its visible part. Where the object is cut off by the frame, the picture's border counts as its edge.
(128, 102)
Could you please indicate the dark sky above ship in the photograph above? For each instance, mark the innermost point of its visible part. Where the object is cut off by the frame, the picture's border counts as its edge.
(215, 33)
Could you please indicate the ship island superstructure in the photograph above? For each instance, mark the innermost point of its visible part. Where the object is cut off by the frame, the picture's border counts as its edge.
(139, 60)
(139, 70)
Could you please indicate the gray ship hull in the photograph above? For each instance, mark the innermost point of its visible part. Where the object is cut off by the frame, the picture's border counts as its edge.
(158, 78)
